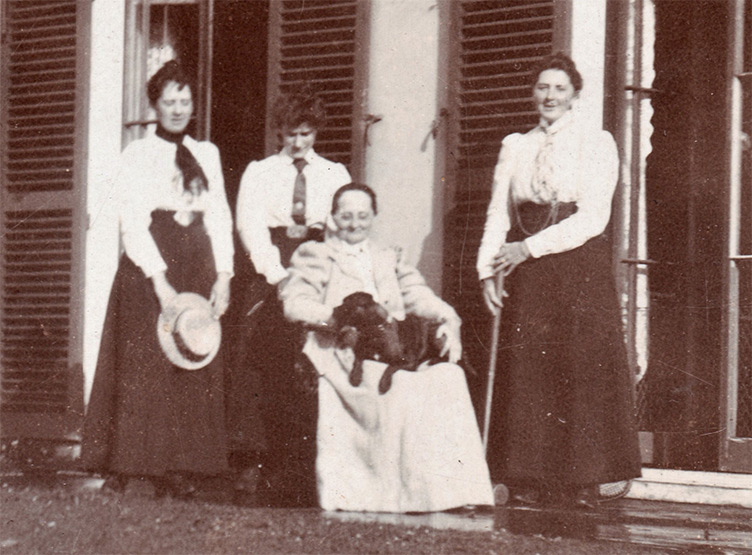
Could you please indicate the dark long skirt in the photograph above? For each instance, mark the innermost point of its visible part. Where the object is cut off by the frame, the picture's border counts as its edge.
(264, 381)
(146, 416)
(563, 403)
(246, 429)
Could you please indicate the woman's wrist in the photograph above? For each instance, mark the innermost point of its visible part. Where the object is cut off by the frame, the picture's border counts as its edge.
(525, 250)
(326, 322)
(162, 288)
(451, 318)
(327, 326)
(159, 279)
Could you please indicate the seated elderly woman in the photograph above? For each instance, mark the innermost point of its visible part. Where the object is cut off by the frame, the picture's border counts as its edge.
(415, 448)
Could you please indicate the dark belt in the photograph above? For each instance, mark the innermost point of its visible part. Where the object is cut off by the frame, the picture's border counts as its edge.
(287, 245)
(529, 218)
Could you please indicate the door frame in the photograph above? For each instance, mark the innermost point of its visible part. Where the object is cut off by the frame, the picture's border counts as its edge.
(735, 452)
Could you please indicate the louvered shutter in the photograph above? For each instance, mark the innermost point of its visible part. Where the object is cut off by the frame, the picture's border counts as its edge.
(496, 44)
(323, 43)
(42, 225)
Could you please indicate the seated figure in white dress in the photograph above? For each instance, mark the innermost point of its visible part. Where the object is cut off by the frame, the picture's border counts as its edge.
(416, 448)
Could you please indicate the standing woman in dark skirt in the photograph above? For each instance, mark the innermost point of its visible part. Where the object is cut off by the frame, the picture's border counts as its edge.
(562, 419)
(148, 418)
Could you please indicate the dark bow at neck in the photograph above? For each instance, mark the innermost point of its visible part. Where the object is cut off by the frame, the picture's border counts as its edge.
(194, 178)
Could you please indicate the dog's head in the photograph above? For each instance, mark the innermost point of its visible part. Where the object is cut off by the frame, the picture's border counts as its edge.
(364, 325)
(359, 310)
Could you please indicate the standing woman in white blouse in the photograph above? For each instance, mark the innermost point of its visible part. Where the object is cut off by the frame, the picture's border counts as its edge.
(147, 418)
(283, 201)
(562, 419)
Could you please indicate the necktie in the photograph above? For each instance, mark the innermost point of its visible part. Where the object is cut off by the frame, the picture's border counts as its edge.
(299, 193)
(542, 184)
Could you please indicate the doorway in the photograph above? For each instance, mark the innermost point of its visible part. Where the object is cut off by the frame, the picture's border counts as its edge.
(677, 124)
(686, 207)
(238, 105)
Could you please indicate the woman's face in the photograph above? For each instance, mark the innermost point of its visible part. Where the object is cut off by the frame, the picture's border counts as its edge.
(299, 140)
(175, 107)
(553, 94)
(354, 216)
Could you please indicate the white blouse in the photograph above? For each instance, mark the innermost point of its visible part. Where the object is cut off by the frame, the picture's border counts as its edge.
(150, 180)
(265, 201)
(363, 261)
(585, 170)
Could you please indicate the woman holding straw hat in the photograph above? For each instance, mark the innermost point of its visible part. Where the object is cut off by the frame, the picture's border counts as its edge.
(157, 406)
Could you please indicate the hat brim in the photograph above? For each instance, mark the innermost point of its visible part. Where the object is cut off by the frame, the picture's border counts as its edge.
(166, 325)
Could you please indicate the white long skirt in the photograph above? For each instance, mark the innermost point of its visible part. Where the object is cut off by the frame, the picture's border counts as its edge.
(416, 448)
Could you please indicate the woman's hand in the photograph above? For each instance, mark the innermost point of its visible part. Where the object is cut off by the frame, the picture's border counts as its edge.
(450, 332)
(220, 295)
(493, 298)
(510, 256)
(162, 288)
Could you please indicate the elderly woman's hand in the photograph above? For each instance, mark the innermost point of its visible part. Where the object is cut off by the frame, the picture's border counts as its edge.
(220, 295)
(449, 330)
(510, 256)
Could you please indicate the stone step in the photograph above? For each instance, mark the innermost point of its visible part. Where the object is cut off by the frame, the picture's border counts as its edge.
(688, 486)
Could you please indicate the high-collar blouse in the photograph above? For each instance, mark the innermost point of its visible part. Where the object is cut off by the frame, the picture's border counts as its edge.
(362, 261)
(265, 201)
(150, 180)
(584, 170)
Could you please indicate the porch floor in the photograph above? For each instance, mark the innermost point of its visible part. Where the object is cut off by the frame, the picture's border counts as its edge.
(669, 525)
(626, 525)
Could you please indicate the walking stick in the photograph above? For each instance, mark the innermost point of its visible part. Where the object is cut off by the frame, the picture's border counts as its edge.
(492, 362)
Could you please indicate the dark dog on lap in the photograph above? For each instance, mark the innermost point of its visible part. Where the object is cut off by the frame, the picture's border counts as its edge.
(364, 326)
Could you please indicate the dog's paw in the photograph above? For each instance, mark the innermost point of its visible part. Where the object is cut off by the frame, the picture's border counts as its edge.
(385, 383)
(356, 374)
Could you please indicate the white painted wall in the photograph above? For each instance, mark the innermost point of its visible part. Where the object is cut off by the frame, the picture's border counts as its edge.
(588, 52)
(105, 132)
(400, 161)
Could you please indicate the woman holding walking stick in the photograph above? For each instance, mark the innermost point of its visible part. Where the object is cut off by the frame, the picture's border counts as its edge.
(561, 421)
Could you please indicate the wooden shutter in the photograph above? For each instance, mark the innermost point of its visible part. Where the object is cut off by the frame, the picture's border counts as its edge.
(42, 208)
(323, 43)
(495, 46)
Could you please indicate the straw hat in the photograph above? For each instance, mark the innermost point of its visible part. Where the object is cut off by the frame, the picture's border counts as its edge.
(188, 333)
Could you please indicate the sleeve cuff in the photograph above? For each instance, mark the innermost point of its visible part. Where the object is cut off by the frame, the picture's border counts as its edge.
(226, 271)
(485, 273)
(150, 271)
(274, 277)
(532, 248)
